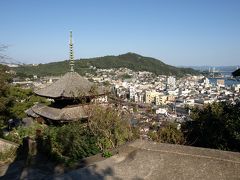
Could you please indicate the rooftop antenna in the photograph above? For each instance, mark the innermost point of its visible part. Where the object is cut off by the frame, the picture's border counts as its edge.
(71, 56)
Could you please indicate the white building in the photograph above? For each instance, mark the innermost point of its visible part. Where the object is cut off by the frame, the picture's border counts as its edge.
(171, 82)
(161, 111)
(132, 92)
(206, 82)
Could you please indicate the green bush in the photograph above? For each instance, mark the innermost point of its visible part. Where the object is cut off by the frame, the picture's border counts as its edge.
(153, 135)
(107, 154)
(17, 134)
(109, 126)
(24, 99)
(70, 142)
(105, 129)
(167, 134)
(170, 134)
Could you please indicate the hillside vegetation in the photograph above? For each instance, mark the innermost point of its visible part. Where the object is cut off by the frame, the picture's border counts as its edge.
(129, 60)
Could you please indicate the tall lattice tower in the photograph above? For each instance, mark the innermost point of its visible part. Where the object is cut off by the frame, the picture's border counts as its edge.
(71, 56)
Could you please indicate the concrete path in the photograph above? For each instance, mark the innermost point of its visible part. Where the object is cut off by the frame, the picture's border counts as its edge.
(148, 160)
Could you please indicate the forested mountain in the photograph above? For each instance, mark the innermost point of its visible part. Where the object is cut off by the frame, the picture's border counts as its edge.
(129, 60)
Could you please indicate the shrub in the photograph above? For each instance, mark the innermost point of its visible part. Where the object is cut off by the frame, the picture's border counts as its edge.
(170, 134)
(105, 129)
(106, 154)
(24, 99)
(17, 134)
(167, 134)
(70, 142)
(153, 135)
(109, 126)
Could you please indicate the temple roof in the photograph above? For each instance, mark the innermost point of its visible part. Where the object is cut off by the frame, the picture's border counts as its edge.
(71, 85)
(64, 114)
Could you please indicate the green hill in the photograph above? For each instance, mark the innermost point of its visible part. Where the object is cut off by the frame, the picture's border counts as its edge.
(129, 60)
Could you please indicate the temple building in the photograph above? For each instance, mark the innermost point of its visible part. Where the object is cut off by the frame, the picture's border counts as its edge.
(73, 95)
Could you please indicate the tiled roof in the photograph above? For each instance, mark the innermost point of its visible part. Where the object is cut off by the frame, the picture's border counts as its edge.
(64, 114)
(71, 85)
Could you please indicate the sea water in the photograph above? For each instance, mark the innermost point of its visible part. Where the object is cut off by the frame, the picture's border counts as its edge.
(227, 81)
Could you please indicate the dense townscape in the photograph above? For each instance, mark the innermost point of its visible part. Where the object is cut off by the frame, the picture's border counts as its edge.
(153, 99)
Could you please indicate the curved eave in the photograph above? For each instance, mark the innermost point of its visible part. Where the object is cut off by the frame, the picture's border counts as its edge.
(64, 97)
(64, 114)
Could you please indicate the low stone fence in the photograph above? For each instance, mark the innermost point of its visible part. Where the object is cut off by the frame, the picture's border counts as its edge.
(7, 151)
(4, 144)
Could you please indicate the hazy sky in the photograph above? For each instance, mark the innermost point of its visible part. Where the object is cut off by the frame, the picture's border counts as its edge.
(178, 32)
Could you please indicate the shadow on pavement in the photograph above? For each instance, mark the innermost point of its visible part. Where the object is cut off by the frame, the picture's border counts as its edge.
(31, 163)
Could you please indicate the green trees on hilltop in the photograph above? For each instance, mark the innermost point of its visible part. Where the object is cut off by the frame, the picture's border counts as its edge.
(139, 63)
(128, 60)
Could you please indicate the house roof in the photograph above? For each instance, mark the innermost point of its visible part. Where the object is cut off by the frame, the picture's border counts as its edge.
(71, 85)
(65, 114)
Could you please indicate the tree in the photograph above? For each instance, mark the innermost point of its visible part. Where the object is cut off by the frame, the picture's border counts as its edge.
(168, 133)
(73, 141)
(5, 100)
(24, 99)
(110, 126)
(216, 125)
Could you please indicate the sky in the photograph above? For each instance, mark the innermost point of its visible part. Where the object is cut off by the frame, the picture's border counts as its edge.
(178, 32)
